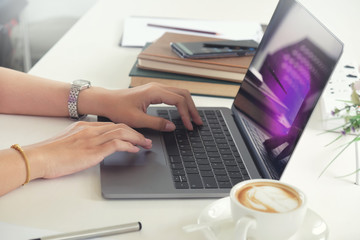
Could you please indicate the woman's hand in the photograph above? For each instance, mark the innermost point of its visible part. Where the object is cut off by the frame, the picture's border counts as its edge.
(129, 106)
(82, 145)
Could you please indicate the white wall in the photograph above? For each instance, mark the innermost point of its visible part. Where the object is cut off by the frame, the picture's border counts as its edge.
(43, 23)
(38, 10)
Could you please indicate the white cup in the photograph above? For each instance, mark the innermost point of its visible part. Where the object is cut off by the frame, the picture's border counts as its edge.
(267, 209)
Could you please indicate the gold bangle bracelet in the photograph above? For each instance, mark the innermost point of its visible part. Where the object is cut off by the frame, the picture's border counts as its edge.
(21, 151)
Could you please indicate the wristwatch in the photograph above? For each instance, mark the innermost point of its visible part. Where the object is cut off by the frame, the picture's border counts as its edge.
(75, 89)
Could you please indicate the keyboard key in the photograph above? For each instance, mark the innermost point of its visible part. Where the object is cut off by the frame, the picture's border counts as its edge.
(195, 139)
(200, 156)
(188, 158)
(213, 154)
(215, 160)
(205, 133)
(207, 138)
(221, 140)
(191, 164)
(220, 172)
(197, 144)
(191, 170)
(226, 151)
(195, 181)
(186, 152)
(231, 162)
(228, 157)
(211, 148)
(224, 185)
(223, 178)
(202, 161)
(205, 167)
(235, 175)
(209, 143)
(206, 174)
(218, 166)
(210, 182)
(199, 150)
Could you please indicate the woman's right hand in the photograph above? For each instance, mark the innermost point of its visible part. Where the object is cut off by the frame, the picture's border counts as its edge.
(82, 145)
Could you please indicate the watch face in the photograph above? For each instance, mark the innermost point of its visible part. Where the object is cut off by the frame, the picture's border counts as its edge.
(81, 82)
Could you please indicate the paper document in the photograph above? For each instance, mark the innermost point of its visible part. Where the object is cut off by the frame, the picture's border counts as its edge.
(140, 30)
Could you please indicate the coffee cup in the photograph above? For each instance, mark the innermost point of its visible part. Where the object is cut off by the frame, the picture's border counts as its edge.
(265, 209)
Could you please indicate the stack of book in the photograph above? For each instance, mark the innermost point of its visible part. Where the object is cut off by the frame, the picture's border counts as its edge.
(214, 77)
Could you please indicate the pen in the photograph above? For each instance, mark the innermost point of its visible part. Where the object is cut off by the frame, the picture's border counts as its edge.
(182, 29)
(97, 232)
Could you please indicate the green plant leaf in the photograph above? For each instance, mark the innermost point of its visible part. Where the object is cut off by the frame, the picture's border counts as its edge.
(337, 138)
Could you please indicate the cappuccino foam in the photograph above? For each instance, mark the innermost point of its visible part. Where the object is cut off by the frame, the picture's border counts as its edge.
(269, 197)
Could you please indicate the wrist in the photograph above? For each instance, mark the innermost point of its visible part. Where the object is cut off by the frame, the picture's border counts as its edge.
(93, 101)
(36, 162)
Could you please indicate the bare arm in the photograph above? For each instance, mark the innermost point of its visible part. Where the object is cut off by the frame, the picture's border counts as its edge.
(21, 93)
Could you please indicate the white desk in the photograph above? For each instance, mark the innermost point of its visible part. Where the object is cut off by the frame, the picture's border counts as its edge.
(90, 51)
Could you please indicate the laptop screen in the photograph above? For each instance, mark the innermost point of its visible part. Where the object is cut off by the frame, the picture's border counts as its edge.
(286, 78)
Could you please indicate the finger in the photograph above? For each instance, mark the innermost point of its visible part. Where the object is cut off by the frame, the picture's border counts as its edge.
(116, 145)
(162, 95)
(156, 123)
(103, 132)
(185, 105)
(190, 104)
(125, 134)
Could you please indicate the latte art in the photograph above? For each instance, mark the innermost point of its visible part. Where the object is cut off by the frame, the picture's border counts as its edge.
(268, 197)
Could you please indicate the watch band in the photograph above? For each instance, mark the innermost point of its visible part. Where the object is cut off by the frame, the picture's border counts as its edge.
(75, 89)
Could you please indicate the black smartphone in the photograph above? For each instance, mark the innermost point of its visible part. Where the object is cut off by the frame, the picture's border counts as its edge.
(214, 49)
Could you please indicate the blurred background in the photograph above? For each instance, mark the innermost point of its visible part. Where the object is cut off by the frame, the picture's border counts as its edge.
(29, 28)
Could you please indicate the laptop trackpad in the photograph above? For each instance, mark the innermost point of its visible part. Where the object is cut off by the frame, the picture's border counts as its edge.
(155, 155)
(130, 159)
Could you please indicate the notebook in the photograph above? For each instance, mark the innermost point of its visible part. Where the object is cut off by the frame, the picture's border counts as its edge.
(253, 139)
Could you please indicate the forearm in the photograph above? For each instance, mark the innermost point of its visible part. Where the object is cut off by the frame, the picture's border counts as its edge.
(21, 93)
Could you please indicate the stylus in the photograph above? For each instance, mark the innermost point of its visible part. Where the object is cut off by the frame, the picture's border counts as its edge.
(97, 232)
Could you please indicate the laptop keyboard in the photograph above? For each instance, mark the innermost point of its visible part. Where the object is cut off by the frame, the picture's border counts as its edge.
(205, 158)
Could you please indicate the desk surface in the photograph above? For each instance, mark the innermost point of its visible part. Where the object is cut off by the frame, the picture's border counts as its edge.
(90, 51)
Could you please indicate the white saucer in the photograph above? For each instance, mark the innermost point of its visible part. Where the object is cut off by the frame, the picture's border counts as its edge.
(313, 228)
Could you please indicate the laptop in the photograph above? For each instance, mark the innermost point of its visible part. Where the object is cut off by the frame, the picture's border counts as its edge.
(253, 139)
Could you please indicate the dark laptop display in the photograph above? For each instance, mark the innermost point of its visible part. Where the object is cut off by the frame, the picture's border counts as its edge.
(254, 139)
